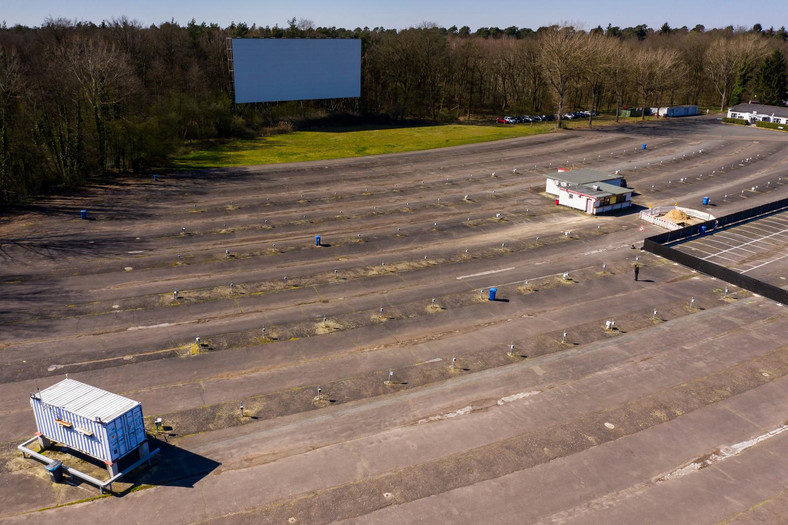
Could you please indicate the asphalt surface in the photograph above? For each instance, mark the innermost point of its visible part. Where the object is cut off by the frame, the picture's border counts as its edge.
(524, 409)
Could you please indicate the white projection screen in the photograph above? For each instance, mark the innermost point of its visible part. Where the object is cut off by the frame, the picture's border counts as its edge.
(276, 69)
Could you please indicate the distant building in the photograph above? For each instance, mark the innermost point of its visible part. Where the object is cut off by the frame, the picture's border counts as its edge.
(589, 190)
(675, 111)
(759, 113)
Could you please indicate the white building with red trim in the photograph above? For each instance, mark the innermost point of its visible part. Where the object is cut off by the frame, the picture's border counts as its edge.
(589, 190)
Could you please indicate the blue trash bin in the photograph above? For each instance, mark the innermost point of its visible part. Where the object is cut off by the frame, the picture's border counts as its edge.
(706, 201)
(493, 291)
(55, 470)
(317, 240)
(702, 229)
(644, 146)
(83, 214)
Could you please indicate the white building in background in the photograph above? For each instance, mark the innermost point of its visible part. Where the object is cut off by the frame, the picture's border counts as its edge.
(589, 190)
(759, 113)
(675, 111)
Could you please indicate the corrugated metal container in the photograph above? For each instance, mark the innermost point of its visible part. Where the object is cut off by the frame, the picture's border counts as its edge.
(682, 111)
(101, 424)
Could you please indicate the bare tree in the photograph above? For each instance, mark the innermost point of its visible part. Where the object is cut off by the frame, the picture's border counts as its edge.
(693, 49)
(600, 57)
(104, 77)
(563, 54)
(530, 72)
(654, 70)
(724, 56)
(621, 77)
(467, 60)
(10, 87)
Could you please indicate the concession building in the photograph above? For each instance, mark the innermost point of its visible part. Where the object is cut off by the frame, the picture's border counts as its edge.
(589, 190)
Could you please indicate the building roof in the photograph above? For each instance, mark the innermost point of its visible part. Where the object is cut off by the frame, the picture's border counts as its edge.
(761, 109)
(85, 400)
(583, 176)
(599, 189)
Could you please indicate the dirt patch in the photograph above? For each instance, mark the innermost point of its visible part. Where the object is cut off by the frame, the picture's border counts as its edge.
(676, 215)
(326, 327)
(434, 308)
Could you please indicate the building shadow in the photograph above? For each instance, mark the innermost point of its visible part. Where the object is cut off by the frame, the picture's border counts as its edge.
(172, 466)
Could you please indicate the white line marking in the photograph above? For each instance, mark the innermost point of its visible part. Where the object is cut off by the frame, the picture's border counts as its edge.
(436, 360)
(767, 262)
(725, 453)
(490, 272)
(746, 243)
(459, 412)
(162, 325)
(515, 397)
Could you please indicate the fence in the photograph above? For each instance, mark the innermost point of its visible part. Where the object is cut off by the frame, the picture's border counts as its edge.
(648, 216)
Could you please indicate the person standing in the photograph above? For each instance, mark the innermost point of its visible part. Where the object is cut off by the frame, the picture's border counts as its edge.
(637, 270)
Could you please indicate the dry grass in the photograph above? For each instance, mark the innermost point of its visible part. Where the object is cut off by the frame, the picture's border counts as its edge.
(326, 327)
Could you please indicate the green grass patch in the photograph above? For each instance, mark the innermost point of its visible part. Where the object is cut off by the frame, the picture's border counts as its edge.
(302, 146)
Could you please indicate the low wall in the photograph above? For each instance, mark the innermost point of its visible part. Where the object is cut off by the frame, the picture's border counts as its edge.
(659, 221)
(660, 245)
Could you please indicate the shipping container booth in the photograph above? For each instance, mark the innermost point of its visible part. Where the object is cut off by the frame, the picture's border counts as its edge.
(98, 423)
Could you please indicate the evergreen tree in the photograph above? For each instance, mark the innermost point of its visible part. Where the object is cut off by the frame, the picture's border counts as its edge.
(741, 85)
(770, 80)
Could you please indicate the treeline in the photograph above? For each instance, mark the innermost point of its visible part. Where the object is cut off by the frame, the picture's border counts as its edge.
(79, 100)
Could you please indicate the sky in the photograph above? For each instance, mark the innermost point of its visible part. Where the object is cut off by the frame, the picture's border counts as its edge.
(401, 14)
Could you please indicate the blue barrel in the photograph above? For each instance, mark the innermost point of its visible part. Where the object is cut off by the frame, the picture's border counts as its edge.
(84, 214)
(55, 470)
(155, 177)
(702, 229)
(706, 201)
(493, 291)
(317, 240)
(644, 146)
